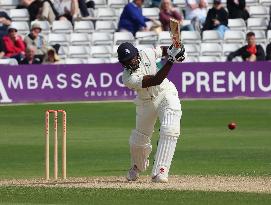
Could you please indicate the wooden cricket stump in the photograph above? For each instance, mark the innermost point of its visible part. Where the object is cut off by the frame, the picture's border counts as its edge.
(47, 143)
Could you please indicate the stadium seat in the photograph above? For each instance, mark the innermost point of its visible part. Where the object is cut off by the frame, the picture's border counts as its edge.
(256, 23)
(192, 49)
(191, 37)
(179, 3)
(8, 61)
(191, 59)
(210, 49)
(252, 3)
(106, 26)
(117, 3)
(8, 4)
(164, 38)
(58, 38)
(98, 60)
(19, 14)
(237, 24)
(62, 27)
(114, 52)
(260, 36)
(106, 14)
(100, 3)
(146, 37)
(101, 52)
(44, 25)
(268, 36)
(121, 37)
(102, 38)
(211, 36)
(151, 12)
(63, 52)
(75, 61)
(209, 59)
(22, 27)
(78, 52)
(234, 37)
(79, 39)
(265, 2)
(258, 12)
(114, 60)
(83, 26)
(230, 47)
(142, 47)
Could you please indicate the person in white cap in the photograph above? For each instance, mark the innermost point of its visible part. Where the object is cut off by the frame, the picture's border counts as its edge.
(36, 39)
(157, 97)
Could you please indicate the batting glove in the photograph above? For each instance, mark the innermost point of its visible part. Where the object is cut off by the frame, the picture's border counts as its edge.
(176, 54)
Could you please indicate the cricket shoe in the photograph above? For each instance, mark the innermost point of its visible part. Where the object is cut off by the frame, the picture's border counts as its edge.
(161, 177)
(133, 174)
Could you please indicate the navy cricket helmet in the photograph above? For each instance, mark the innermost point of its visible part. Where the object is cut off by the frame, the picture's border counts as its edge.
(126, 51)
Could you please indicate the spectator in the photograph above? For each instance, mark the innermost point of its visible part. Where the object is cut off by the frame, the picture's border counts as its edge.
(132, 19)
(40, 9)
(67, 9)
(166, 12)
(5, 21)
(196, 10)
(250, 52)
(51, 57)
(13, 43)
(217, 19)
(30, 56)
(237, 9)
(37, 40)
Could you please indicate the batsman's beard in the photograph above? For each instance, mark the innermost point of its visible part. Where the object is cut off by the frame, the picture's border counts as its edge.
(133, 65)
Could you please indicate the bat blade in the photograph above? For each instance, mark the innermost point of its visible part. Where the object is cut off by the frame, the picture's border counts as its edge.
(175, 32)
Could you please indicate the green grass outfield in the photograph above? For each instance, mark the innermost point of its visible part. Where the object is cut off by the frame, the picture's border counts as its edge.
(98, 146)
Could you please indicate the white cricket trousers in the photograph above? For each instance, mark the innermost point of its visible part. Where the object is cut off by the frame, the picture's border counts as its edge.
(167, 108)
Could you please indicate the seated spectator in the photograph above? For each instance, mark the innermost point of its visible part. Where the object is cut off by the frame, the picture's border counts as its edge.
(196, 11)
(237, 9)
(5, 21)
(166, 12)
(30, 58)
(51, 57)
(67, 9)
(36, 39)
(14, 44)
(250, 52)
(40, 9)
(217, 19)
(132, 19)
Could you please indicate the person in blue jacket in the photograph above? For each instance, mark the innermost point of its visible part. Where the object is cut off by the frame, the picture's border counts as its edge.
(132, 19)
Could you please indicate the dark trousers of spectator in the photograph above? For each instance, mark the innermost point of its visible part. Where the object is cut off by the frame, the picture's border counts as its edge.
(18, 57)
(83, 6)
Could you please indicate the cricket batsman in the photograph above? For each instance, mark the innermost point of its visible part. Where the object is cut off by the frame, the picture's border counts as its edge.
(157, 97)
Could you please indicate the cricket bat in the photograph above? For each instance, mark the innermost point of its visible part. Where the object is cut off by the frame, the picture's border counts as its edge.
(175, 32)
